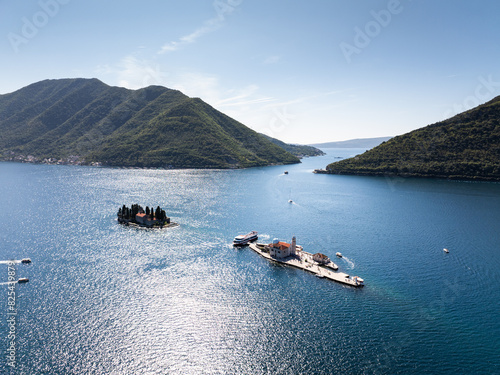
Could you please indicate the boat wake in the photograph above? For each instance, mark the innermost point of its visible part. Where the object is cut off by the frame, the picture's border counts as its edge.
(349, 262)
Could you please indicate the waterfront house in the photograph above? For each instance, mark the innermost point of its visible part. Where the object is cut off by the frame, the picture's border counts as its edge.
(280, 250)
(321, 258)
(141, 218)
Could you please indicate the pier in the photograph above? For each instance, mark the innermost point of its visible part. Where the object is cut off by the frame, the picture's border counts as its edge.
(304, 260)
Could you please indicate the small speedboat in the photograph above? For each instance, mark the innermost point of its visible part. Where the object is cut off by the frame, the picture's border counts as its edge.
(338, 254)
(286, 172)
(290, 201)
(26, 260)
(446, 250)
(332, 265)
(23, 280)
(358, 280)
(244, 239)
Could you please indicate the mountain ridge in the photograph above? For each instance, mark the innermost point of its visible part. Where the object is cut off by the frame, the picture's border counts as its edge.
(465, 146)
(88, 122)
(353, 143)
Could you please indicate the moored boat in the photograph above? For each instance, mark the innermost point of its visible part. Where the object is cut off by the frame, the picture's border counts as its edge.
(332, 265)
(245, 239)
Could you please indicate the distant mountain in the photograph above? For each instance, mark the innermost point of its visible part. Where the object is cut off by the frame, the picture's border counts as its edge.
(298, 150)
(366, 143)
(86, 121)
(466, 146)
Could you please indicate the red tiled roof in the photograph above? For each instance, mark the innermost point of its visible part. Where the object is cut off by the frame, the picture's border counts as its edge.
(281, 245)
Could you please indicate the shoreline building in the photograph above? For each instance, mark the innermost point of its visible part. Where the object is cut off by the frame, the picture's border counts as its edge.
(280, 250)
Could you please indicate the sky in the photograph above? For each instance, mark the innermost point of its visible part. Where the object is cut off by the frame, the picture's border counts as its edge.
(301, 71)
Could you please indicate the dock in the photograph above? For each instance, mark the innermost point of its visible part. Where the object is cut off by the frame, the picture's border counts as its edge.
(304, 260)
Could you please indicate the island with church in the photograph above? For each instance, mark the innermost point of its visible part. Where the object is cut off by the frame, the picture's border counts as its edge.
(136, 215)
(294, 255)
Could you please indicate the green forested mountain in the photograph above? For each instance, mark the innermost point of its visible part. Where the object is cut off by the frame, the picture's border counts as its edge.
(86, 121)
(466, 146)
(297, 150)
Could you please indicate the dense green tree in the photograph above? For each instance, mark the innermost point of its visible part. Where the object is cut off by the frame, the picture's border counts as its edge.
(466, 146)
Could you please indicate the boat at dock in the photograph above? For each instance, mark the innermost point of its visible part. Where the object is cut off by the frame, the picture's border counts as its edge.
(332, 265)
(245, 239)
(295, 256)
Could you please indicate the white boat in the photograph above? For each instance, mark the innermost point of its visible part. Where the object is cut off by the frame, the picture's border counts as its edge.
(332, 265)
(338, 254)
(446, 250)
(244, 239)
(290, 201)
(358, 280)
(26, 260)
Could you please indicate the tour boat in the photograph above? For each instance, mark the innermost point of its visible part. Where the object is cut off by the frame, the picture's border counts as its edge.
(23, 280)
(26, 260)
(244, 239)
(339, 254)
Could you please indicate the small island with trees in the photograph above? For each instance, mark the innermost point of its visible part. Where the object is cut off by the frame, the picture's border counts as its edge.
(149, 218)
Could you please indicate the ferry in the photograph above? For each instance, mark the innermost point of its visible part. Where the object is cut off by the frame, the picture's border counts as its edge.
(245, 239)
(23, 280)
(26, 260)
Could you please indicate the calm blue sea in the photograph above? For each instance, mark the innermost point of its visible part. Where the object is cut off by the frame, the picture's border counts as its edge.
(107, 299)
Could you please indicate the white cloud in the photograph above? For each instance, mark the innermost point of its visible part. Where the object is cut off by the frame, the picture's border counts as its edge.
(208, 26)
(134, 73)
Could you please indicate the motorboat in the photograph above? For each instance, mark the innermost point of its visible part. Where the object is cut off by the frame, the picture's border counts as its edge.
(245, 239)
(290, 201)
(332, 265)
(26, 260)
(338, 254)
(358, 280)
(446, 250)
(286, 172)
(23, 280)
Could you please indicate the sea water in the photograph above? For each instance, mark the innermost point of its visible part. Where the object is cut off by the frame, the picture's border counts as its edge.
(108, 299)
